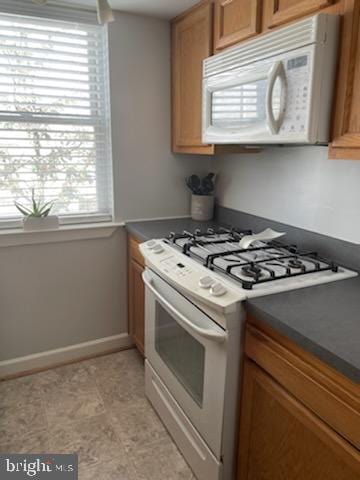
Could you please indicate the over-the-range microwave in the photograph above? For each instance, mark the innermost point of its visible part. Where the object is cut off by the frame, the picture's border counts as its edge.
(275, 89)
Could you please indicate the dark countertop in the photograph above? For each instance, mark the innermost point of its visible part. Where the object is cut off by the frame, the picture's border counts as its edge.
(323, 320)
(161, 228)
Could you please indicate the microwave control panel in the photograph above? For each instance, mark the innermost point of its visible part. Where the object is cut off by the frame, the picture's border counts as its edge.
(297, 99)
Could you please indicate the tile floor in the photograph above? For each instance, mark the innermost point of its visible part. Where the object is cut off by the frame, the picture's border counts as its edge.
(96, 408)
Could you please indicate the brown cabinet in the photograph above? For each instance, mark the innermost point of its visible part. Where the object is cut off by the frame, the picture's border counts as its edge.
(136, 294)
(346, 131)
(278, 12)
(300, 419)
(235, 20)
(191, 44)
(281, 439)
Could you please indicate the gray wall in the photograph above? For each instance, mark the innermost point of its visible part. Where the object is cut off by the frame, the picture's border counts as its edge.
(150, 179)
(61, 294)
(298, 186)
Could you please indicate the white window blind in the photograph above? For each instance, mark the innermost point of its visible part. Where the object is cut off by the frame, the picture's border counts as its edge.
(54, 116)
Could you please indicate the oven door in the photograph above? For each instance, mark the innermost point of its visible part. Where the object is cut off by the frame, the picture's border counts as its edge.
(188, 352)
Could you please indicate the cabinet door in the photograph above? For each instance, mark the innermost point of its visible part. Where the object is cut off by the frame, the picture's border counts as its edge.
(281, 439)
(136, 304)
(346, 131)
(235, 20)
(191, 44)
(281, 11)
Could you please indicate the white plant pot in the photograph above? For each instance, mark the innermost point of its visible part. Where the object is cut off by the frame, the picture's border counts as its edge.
(44, 223)
(202, 207)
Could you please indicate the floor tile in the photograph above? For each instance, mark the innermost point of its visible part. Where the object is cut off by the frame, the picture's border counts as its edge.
(121, 388)
(116, 365)
(93, 439)
(111, 470)
(161, 461)
(73, 378)
(137, 424)
(30, 441)
(96, 408)
(70, 407)
(19, 391)
(21, 418)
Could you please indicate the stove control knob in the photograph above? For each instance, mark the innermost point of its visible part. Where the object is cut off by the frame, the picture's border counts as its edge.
(206, 282)
(151, 244)
(158, 248)
(218, 289)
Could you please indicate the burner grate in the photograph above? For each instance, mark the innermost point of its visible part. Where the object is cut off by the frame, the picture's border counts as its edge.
(203, 238)
(281, 261)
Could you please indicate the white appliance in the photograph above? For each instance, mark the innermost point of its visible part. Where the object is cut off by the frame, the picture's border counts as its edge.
(194, 324)
(276, 88)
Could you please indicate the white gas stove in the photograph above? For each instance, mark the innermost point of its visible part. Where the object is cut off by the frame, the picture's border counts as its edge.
(196, 283)
(212, 268)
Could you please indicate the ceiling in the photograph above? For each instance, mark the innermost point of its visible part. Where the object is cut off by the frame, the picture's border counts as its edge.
(156, 8)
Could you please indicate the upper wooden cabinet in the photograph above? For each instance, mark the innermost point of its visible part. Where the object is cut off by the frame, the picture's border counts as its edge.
(346, 132)
(278, 12)
(191, 44)
(235, 20)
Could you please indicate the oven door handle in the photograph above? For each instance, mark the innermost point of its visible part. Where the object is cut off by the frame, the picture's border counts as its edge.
(213, 335)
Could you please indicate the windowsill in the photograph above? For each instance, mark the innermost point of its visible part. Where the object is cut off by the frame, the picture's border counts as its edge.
(65, 233)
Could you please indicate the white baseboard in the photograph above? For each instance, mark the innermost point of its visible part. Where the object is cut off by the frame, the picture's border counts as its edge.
(43, 360)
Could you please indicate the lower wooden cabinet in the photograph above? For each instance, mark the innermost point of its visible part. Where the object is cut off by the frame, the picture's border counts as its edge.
(300, 419)
(136, 295)
(280, 439)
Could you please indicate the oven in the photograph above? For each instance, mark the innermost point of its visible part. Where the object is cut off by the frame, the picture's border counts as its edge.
(188, 351)
(192, 373)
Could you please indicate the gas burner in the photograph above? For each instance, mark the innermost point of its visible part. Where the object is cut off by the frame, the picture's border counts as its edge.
(252, 271)
(295, 263)
(218, 249)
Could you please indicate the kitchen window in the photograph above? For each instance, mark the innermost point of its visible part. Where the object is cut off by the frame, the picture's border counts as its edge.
(54, 118)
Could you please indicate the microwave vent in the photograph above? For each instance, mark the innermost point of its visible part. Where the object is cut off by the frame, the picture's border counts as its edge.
(309, 31)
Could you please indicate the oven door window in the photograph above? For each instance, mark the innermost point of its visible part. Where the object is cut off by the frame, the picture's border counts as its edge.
(181, 353)
(239, 107)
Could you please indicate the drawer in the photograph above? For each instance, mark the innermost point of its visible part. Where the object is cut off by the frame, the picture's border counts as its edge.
(328, 394)
(134, 252)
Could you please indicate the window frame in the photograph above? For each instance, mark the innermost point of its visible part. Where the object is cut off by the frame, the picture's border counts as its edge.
(107, 200)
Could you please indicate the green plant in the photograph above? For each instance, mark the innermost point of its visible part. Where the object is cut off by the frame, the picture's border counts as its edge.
(37, 209)
(204, 186)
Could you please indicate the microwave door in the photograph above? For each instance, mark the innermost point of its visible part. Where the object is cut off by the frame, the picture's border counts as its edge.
(245, 106)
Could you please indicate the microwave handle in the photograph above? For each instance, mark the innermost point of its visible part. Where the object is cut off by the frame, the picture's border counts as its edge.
(277, 72)
(213, 335)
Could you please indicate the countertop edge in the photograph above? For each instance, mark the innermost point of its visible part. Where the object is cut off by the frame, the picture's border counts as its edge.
(326, 356)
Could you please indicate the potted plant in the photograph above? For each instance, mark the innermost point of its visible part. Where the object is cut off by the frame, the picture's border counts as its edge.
(36, 217)
(202, 198)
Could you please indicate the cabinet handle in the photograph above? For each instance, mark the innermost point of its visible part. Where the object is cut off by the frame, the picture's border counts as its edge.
(226, 2)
